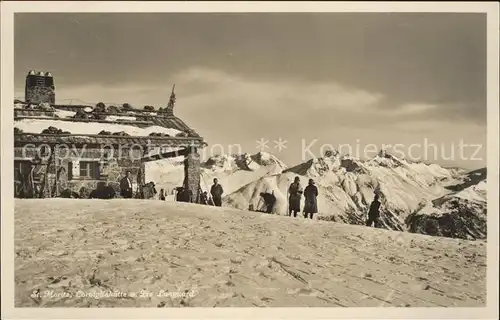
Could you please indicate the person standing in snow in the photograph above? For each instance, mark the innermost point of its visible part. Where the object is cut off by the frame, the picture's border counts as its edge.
(216, 191)
(373, 213)
(311, 203)
(295, 193)
(126, 186)
(162, 195)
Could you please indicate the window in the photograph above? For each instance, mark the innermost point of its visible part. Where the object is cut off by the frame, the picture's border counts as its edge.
(89, 169)
(83, 170)
(44, 151)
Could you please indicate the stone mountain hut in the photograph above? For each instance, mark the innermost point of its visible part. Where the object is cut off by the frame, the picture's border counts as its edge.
(66, 147)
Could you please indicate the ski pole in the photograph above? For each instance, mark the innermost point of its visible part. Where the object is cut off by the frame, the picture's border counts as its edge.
(287, 213)
(211, 203)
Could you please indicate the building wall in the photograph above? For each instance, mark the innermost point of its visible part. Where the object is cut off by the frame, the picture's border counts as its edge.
(38, 94)
(110, 170)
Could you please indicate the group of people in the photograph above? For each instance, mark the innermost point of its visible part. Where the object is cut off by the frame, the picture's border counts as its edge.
(294, 196)
(311, 193)
(215, 198)
(146, 191)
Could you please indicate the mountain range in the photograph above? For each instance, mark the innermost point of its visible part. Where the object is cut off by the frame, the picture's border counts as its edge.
(416, 197)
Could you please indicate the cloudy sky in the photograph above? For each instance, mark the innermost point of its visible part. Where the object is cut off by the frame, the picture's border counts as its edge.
(411, 80)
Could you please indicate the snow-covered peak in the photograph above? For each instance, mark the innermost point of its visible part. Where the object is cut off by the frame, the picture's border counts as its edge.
(386, 159)
(474, 193)
(221, 162)
(243, 161)
(351, 164)
(468, 179)
(331, 154)
(267, 159)
(318, 167)
(314, 168)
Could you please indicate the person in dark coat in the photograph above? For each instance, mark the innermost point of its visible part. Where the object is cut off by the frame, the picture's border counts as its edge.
(94, 194)
(179, 194)
(269, 202)
(295, 194)
(311, 203)
(162, 195)
(126, 186)
(183, 195)
(102, 191)
(216, 191)
(68, 193)
(373, 213)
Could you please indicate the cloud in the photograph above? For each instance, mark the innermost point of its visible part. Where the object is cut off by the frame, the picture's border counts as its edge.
(199, 87)
(441, 130)
(265, 94)
(414, 108)
(295, 96)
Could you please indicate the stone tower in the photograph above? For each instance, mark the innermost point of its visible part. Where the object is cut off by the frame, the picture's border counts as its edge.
(40, 88)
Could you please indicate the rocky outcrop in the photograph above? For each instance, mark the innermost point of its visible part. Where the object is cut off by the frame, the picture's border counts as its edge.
(458, 215)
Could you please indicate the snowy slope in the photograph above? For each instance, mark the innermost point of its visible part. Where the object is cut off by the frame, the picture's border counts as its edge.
(461, 214)
(232, 171)
(204, 256)
(347, 186)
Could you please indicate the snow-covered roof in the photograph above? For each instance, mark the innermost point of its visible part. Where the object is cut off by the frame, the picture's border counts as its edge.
(33, 122)
(38, 125)
(133, 119)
